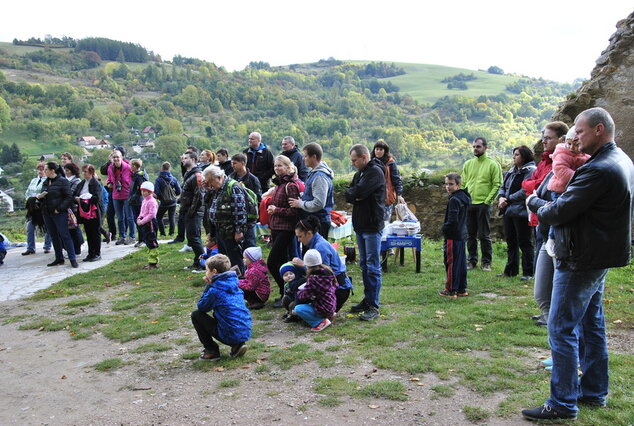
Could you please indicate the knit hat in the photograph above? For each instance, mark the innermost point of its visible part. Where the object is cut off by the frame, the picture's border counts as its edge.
(571, 133)
(253, 253)
(312, 258)
(288, 266)
(148, 186)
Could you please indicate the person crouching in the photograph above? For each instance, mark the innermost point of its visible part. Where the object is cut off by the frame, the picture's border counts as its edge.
(230, 322)
(255, 285)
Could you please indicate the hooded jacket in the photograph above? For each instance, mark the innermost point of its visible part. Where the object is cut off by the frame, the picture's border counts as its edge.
(166, 178)
(318, 197)
(320, 292)
(297, 158)
(565, 162)
(367, 195)
(226, 300)
(455, 225)
(256, 279)
(260, 163)
(330, 257)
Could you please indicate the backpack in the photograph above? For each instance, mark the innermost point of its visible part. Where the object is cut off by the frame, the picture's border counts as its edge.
(250, 199)
(167, 195)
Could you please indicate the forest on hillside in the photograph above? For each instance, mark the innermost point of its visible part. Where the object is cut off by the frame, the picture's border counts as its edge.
(194, 102)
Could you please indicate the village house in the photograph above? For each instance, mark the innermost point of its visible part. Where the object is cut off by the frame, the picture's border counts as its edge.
(91, 142)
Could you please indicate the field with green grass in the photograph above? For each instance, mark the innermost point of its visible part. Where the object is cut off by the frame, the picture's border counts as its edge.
(483, 346)
(423, 82)
(21, 50)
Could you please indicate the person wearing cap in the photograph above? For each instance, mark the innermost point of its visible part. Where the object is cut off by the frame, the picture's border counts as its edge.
(255, 284)
(90, 189)
(147, 222)
(293, 277)
(316, 301)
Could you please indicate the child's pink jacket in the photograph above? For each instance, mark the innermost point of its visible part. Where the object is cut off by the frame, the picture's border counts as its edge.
(149, 206)
(256, 279)
(565, 162)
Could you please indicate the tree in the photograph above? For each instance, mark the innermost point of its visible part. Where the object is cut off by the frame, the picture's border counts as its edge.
(495, 70)
(170, 147)
(5, 115)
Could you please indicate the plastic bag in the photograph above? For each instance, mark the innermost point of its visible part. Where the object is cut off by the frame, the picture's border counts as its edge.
(403, 213)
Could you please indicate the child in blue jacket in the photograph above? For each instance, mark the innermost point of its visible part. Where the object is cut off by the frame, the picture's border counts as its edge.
(230, 322)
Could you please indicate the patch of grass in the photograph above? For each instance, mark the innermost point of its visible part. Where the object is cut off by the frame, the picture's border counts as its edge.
(476, 414)
(385, 389)
(190, 355)
(108, 364)
(262, 368)
(335, 386)
(287, 357)
(323, 359)
(229, 383)
(330, 401)
(442, 391)
(151, 347)
(86, 301)
(14, 319)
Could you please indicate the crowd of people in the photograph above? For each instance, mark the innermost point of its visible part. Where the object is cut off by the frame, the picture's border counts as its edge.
(569, 216)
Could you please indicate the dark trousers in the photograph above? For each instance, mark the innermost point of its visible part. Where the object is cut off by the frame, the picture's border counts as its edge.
(232, 249)
(93, 235)
(518, 236)
(111, 217)
(182, 218)
(342, 296)
(171, 217)
(280, 241)
(478, 217)
(249, 237)
(207, 328)
(57, 227)
(192, 231)
(252, 297)
(78, 239)
(455, 265)
(324, 229)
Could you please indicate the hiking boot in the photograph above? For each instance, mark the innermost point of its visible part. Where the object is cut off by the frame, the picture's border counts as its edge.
(74, 263)
(290, 318)
(359, 307)
(95, 259)
(238, 350)
(28, 252)
(486, 267)
(369, 314)
(471, 265)
(128, 241)
(545, 412)
(446, 293)
(175, 241)
(278, 303)
(120, 242)
(139, 244)
(325, 323)
(210, 356)
(56, 262)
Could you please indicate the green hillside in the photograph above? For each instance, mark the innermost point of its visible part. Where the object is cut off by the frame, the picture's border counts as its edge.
(423, 82)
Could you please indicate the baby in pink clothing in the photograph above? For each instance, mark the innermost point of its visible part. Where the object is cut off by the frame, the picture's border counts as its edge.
(566, 159)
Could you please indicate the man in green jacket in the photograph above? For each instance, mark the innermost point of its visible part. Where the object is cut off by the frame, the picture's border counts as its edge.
(482, 178)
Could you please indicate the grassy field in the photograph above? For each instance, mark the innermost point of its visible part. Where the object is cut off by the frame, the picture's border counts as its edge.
(485, 342)
(423, 82)
(21, 50)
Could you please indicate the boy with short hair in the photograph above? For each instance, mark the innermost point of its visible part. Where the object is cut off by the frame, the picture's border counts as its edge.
(231, 320)
(454, 229)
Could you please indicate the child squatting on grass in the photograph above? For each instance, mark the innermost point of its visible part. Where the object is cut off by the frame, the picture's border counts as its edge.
(255, 285)
(316, 300)
(230, 322)
(147, 224)
(211, 249)
(454, 229)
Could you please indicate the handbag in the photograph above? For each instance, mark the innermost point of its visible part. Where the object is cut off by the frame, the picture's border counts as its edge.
(72, 219)
(87, 210)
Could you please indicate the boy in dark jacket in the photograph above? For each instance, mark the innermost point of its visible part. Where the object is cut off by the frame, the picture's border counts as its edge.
(231, 320)
(454, 229)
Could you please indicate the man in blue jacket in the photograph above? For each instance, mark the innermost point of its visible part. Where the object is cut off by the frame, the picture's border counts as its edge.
(593, 223)
(367, 195)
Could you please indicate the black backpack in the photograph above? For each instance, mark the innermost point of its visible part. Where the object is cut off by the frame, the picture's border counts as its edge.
(168, 195)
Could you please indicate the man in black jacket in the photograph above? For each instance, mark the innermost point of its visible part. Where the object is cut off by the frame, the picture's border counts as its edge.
(191, 205)
(367, 195)
(259, 160)
(289, 149)
(592, 220)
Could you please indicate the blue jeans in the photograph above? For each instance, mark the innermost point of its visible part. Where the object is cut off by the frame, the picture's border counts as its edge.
(307, 313)
(57, 227)
(30, 237)
(370, 262)
(125, 218)
(576, 330)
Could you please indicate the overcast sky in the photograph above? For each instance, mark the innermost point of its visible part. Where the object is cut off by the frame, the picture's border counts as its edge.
(558, 40)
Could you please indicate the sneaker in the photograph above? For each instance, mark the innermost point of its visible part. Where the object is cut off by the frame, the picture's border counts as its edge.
(278, 303)
(238, 350)
(87, 259)
(56, 262)
(548, 362)
(175, 241)
(369, 314)
(197, 270)
(47, 251)
(95, 259)
(359, 307)
(446, 293)
(139, 244)
(536, 317)
(471, 265)
(591, 402)
(462, 294)
(185, 248)
(486, 267)
(546, 412)
(526, 278)
(120, 242)
(128, 241)
(325, 323)
(549, 369)
(210, 356)
(550, 247)
(541, 323)
(28, 252)
(502, 275)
